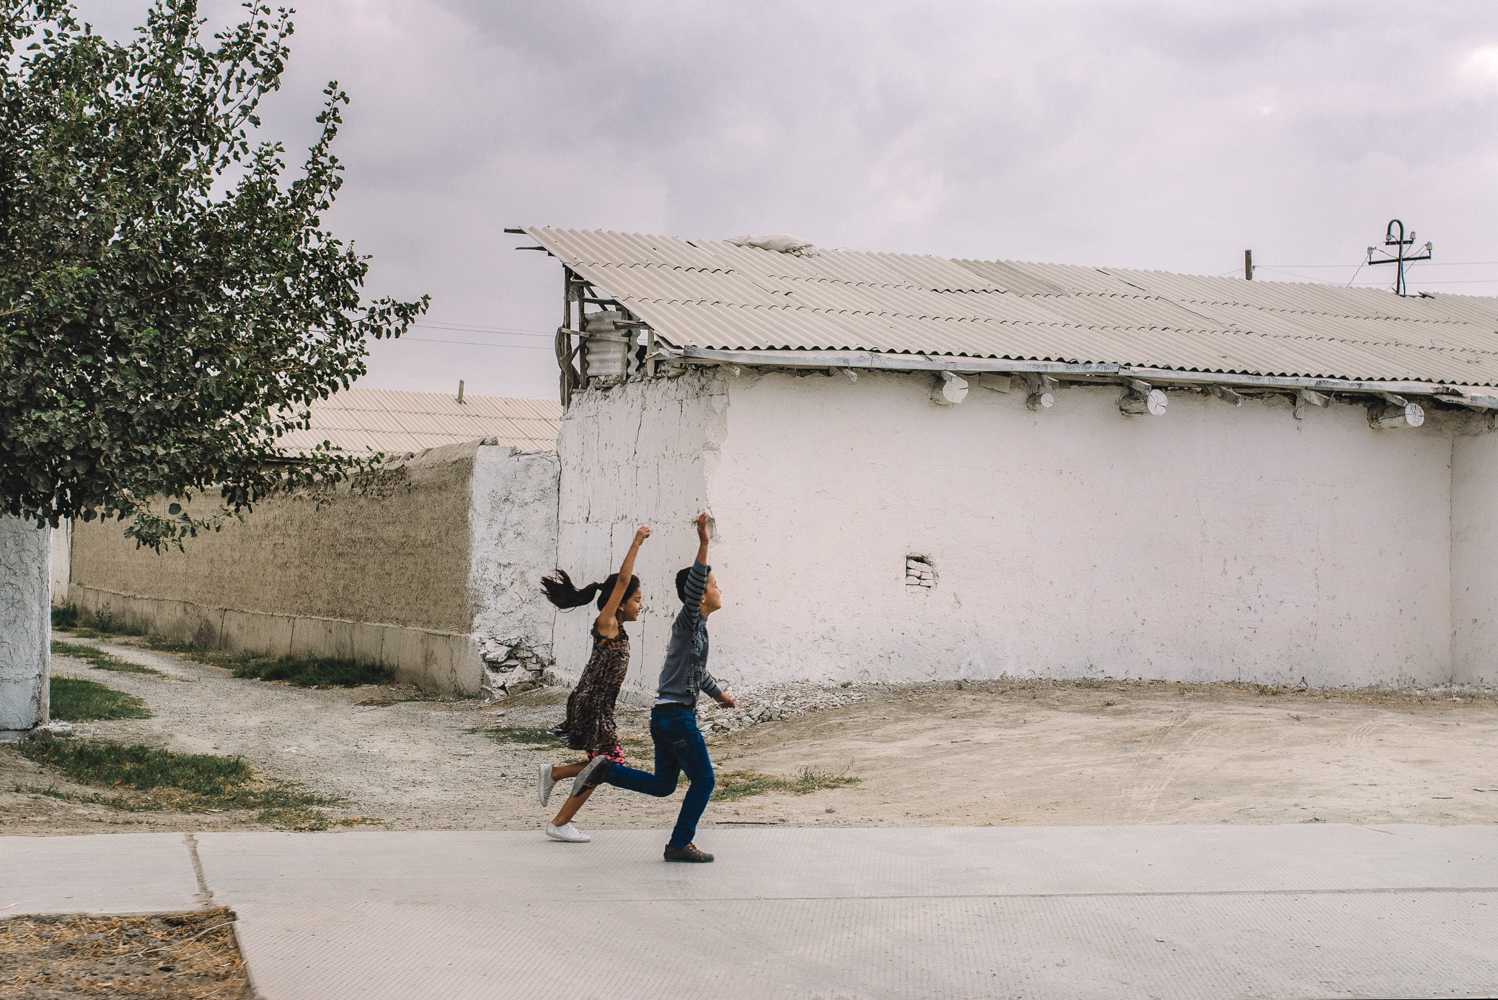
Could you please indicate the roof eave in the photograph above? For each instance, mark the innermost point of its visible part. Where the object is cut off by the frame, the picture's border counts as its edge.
(1472, 396)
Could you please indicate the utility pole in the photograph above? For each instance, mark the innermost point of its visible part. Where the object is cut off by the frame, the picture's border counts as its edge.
(1398, 241)
(1248, 265)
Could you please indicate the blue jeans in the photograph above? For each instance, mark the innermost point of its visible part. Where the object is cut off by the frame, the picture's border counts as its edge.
(678, 747)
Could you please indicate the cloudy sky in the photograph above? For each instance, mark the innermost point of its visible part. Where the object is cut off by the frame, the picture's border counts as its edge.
(1169, 135)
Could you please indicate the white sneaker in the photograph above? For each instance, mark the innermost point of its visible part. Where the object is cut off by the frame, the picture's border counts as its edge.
(567, 832)
(544, 771)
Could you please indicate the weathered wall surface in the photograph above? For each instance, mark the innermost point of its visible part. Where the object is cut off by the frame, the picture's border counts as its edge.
(25, 624)
(380, 571)
(1474, 558)
(513, 524)
(392, 550)
(62, 561)
(639, 453)
(1212, 543)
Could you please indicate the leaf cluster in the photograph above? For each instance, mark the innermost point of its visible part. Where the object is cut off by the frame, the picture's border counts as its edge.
(170, 301)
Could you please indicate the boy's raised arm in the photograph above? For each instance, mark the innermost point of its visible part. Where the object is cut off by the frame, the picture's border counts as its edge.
(702, 539)
(710, 686)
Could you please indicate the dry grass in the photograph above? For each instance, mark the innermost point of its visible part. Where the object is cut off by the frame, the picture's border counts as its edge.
(189, 956)
(299, 671)
(733, 785)
(534, 737)
(96, 657)
(145, 778)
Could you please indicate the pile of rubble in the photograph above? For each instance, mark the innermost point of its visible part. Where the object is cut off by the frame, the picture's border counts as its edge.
(510, 668)
(776, 702)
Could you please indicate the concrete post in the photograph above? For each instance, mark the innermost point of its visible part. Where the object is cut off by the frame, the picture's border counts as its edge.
(25, 626)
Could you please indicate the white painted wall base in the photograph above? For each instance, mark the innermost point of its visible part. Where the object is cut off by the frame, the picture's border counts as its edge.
(25, 625)
(442, 662)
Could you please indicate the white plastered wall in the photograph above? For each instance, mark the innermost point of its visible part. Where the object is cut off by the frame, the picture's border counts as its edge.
(514, 529)
(638, 453)
(25, 624)
(1474, 559)
(1214, 543)
(62, 559)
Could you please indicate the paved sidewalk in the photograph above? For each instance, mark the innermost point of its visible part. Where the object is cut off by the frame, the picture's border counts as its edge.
(1162, 911)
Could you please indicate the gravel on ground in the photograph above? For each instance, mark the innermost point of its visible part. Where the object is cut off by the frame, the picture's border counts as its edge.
(937, 754)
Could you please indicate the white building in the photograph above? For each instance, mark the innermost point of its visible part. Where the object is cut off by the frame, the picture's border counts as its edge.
(926, 468)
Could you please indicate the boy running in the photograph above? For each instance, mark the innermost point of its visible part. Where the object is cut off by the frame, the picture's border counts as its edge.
(673, 721)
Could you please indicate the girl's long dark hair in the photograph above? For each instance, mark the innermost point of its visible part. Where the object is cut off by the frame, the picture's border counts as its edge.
(561, 591)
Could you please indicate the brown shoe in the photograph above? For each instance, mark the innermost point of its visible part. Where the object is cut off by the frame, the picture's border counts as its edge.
(688, 853)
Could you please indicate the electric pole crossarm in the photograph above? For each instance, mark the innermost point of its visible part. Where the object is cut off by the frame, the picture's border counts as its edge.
(1396, 239)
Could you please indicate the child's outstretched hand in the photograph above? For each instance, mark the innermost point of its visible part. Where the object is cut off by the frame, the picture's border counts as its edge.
(702, 528)
(641, 535)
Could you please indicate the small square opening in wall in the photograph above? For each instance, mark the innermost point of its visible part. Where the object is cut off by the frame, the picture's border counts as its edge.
(920, 574)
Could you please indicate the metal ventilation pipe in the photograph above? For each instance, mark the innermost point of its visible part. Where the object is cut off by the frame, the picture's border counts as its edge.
(607, 344)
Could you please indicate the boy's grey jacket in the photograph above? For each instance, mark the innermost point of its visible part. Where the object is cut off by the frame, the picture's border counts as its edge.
(685, 672)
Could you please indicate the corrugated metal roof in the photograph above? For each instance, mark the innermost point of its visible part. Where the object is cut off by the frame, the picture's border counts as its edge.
(398, 422)
(708, 294)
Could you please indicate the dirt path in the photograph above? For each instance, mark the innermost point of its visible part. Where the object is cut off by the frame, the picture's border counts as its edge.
(1039, 753)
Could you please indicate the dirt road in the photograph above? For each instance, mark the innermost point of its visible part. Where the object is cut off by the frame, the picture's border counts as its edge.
(934, 755)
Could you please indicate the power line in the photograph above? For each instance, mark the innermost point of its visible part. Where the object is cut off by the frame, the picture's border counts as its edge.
(477, 343)
(464, 328)
(1375, 284)
(1466, 281)
(1431, 263)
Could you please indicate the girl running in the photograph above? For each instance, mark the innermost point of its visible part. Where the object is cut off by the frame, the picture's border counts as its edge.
(590, 708)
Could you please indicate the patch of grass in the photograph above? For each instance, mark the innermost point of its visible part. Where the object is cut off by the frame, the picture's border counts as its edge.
(98, 625)
(538, 737)
(638, 748)
(733, 785)
(212, 657)
(315, 672)
(88, 701)
(119, 765)
(320, 672)
(98, 658)
(147, 777)
(93, 798)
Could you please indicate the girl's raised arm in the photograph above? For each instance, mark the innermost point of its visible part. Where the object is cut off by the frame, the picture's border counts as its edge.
(607, 625)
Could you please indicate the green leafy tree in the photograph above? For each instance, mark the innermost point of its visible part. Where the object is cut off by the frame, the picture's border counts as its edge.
(169, 301)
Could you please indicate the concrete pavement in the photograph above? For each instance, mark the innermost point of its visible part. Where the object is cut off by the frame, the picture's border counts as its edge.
(1145, 911)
